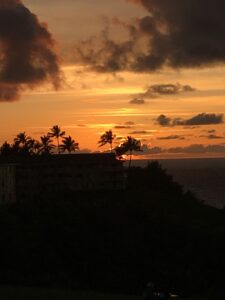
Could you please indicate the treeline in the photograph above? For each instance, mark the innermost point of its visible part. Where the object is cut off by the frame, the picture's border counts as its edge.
(116, 241)
(26, 145)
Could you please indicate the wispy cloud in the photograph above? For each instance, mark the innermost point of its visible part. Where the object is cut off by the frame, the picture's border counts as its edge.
(212, 136)
(137, 100)
(157, 90)
(122, 127)
(191, 149)
(171, 137)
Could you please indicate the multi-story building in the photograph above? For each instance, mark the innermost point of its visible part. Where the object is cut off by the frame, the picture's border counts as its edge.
(30, 177)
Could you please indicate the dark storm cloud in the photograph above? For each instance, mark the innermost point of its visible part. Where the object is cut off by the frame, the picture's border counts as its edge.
(175, 33)
(200, 119)
(27, 56)
(157, 90)
(183, 33)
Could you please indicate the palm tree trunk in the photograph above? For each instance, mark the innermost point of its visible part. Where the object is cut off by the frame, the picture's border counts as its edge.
(130, 159)
(58, 145)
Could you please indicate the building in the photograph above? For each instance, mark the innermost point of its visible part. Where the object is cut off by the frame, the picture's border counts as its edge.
(30, 177)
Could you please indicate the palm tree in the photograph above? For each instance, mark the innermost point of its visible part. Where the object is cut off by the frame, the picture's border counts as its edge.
(129, 145)
(107, 138)
(56, 133)
(120, 151)
(46, 145)
(21, 138)
(68, 144)
(22, 143)
(6, 149)
(34, 146)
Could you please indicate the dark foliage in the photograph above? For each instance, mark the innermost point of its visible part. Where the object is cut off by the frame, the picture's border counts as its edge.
(115, 241)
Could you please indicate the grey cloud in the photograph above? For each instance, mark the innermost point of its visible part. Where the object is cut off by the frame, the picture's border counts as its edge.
(195, 148)
(81, 125)
(129, 123)
(166, 89)
(163, 120)
(27, 51)
(139, 132)
(200, 119)
(186, 33)
(212, 136)
(171, 137)
(126, 125)
(211, 131)
(154, 150)
(175, 33)
(122, 127)
(156, 90)
(137, 101)
(191, 127)
(191, 149)
(198, 148)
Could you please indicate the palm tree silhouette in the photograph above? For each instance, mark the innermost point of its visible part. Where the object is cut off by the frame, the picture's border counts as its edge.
(46, 145)
(68, 144)
(120, 151)
(56, 133)
(6, 149)
(21, 138)
(129, 145)
(107, 138)
(22, 143)
(35, 146)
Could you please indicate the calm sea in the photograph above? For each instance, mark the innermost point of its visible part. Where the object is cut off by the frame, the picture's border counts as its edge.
(205, 177)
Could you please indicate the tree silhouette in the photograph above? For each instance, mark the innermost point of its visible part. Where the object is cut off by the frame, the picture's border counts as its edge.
(35, 146)
(21, 138)
(56, 133)
(120, 151)
(129, 145)
(107, 138)
(22, 143)
(6, 149)
(46, 145)
(68, 144)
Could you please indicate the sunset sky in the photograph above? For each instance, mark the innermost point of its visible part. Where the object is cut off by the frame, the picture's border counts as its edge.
(152, 69)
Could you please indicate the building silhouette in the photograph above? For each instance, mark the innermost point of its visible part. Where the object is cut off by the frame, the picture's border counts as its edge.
(33, 176)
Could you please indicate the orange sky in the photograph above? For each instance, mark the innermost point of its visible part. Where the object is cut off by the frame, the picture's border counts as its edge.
(90, 103)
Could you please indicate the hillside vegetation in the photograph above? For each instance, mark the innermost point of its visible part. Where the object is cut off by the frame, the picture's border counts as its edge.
(116, 241)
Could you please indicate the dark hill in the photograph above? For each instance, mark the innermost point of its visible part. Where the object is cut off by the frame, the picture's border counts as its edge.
(116, 241)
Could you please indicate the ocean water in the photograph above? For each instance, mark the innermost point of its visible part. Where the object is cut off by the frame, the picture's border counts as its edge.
(205, 177)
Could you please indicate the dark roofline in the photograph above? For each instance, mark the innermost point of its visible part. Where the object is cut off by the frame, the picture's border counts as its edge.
(88, 157)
